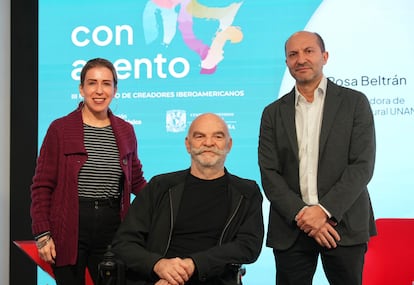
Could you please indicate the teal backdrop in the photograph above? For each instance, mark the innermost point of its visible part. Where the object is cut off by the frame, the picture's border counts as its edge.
(177, 59)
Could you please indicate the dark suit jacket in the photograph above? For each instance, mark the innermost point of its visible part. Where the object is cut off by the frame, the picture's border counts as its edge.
(345, 166)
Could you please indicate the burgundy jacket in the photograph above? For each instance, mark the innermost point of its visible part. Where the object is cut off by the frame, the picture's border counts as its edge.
(54, 190)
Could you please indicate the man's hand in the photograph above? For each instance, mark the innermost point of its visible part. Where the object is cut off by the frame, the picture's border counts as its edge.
(314, 221)
(190, 266)
(326, 236)
(311, 218)
(174, 271)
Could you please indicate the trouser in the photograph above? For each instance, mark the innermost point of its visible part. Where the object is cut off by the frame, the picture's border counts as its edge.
(98, 222)
(342, 265)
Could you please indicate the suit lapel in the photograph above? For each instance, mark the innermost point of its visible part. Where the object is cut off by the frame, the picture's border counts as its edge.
(287, 111)
(332, 102)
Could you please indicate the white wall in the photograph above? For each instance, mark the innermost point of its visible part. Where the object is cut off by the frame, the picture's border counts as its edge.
(4, 140)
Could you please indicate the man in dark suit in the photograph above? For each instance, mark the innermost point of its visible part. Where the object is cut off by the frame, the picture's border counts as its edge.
(316, 156)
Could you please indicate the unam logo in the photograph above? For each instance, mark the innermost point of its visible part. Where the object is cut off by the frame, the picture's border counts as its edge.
(176, 121)
(182, 17)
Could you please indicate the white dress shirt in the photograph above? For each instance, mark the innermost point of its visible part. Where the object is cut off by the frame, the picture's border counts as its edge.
(308, 117)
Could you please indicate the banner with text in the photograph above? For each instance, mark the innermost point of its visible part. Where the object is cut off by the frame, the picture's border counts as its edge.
(178, 58)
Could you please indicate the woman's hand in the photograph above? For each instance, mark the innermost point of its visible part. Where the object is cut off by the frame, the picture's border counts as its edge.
(46, 249)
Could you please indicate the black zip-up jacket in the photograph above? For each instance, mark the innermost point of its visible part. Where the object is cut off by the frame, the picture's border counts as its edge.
(144, 236)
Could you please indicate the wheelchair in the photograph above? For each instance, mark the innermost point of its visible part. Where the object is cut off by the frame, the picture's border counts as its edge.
(112, 271)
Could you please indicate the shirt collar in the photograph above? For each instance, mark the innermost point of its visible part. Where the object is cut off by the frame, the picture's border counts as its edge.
(321, 89)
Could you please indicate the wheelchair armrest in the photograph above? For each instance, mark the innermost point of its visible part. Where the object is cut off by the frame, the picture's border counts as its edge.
(240, 271)
(240, 268)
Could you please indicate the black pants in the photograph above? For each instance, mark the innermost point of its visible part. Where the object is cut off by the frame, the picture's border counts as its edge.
(297, 265)
(98, 222)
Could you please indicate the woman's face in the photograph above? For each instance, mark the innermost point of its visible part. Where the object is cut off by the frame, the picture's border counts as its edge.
(98, 89)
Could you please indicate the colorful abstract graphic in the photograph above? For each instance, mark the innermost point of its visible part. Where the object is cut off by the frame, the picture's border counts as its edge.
(180, 13)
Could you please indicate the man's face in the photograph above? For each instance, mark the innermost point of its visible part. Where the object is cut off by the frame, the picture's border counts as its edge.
(305, 58)
(208, 142)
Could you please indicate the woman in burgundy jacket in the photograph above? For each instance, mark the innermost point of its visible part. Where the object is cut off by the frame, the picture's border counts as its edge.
(87, 168)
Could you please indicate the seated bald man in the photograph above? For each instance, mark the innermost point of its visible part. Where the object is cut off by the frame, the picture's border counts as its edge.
(191, 226)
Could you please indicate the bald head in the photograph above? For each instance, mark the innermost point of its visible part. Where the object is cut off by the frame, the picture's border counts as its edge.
(209, 119)
(317, 37)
